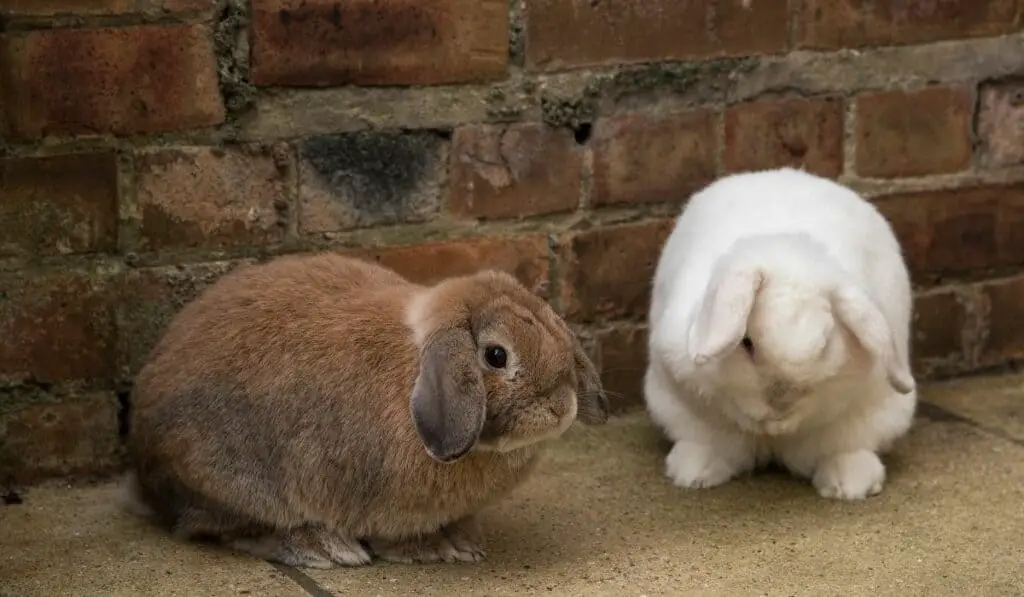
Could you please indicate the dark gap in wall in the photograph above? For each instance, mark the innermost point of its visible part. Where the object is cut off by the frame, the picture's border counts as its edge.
(582, 132)
(124, 408)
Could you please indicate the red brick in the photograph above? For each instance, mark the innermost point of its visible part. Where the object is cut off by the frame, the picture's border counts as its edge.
(149, 298)
(568, 33)
(937, 340)
(1001, 123)
(958, 230)
(643, 159)
(525, 257)
(54, 7)
(59, 205)
(798, 132)
(623, 358)
(122, 81)
(607, 272)
(56, 327)
(518, 170)
(834, 24)
(1005, 339)
(182, 5)
(370, 178)
(915, 133)
(40, 441)
(378, 42)
(203, 197)
(100, 7)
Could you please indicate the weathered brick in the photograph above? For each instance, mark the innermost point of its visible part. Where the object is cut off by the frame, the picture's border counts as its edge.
(834, 24)
(374, 42)
(957, 230)
(58, 205)
(642, 159)
(1005, 339)
(211, 197)
(798, 132)
(623, 358)
(46, 440)
(607, 272)
(1001, 123)
(122, 80)
(369, 179)
(54, 7)
(937, 332)
(149, 298)
(15, 8)
(176, 5)
(915, 133)
(525, 257)
(569, 33)
(508, 171)
(56, 327)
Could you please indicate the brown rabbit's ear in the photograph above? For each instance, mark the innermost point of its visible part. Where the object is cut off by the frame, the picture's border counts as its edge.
(591, 400)
(449, 399)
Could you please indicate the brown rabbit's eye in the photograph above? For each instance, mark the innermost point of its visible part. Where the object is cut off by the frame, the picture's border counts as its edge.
(495, 357)
(748, 344)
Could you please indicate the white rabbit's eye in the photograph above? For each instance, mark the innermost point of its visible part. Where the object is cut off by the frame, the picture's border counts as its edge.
(496, 357)
(748, 344)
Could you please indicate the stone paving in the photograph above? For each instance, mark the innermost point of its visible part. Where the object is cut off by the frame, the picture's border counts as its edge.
(599, 519)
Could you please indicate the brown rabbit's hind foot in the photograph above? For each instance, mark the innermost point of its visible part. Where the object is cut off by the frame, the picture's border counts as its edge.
(304, 547)
(129, 498)
(457, 542)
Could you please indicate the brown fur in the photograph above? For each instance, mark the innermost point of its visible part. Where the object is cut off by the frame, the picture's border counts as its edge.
(295, 403)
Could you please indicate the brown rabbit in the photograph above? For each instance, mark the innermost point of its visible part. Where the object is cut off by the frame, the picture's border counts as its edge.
(286, 410)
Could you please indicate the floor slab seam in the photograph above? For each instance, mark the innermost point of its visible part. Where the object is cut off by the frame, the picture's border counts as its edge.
(939, 414)
(306, 582)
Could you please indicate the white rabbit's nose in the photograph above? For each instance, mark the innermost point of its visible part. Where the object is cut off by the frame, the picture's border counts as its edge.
(781, 394)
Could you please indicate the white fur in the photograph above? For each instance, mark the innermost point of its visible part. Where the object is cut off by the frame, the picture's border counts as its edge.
(814, 275)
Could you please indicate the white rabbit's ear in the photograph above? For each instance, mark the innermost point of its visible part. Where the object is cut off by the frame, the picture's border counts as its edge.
(722, 320)
(862, 317)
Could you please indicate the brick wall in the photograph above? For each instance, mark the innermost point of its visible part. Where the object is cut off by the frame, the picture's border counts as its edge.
(148, 146)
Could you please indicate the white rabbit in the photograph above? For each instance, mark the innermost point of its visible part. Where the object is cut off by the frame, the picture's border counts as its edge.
(780, 323)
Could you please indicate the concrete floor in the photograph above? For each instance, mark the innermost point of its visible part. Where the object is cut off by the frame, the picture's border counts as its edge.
(599, 519)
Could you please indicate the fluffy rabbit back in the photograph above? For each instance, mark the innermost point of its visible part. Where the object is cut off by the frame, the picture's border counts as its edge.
(257, 344)
(850, 229)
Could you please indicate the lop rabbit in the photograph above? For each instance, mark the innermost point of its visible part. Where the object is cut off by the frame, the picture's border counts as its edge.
(322, 410)
(780, 324)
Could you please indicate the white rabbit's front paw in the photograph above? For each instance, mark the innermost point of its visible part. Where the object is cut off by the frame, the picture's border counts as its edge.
(694, 466)
(850, 476)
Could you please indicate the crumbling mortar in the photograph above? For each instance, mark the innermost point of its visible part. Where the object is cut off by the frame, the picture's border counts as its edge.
(231, 45)
(516, 33)
(65, 21)
(976, 328)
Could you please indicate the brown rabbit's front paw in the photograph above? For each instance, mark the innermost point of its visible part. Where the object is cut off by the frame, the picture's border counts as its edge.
(458, 542)
(467, 538)
(305, 547)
